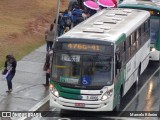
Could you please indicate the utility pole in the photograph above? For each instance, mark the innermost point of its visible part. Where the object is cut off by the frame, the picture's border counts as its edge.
(56, 24)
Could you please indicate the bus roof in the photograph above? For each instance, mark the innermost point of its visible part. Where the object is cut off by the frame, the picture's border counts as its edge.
(108, 25)
(151, 5)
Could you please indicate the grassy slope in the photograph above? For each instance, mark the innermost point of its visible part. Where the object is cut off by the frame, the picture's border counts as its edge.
(22, 25)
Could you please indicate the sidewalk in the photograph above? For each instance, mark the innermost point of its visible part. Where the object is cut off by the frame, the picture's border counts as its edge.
(27, 83)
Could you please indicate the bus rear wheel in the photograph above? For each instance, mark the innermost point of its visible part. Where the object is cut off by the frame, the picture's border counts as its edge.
(137, 80)
(138, 75)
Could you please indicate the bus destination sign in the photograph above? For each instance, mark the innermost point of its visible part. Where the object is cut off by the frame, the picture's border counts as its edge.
(83, 47)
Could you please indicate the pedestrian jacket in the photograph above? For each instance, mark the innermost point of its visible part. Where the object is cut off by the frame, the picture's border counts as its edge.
(50, 35)
(11, 66)
(76, 13)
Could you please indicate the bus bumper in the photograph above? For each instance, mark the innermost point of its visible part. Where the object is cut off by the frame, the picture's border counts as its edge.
(68, 104)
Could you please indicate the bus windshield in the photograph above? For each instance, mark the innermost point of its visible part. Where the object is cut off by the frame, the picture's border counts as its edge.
(82, 70)
(155, 25)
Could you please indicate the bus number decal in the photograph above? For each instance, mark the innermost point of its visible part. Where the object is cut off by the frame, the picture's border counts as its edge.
(84, 47)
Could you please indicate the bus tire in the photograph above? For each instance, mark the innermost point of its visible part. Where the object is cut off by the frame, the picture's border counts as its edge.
(138, 75)
(63, 112)
(137, 80)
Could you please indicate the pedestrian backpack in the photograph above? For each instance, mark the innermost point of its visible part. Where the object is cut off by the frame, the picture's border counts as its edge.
(67, 20)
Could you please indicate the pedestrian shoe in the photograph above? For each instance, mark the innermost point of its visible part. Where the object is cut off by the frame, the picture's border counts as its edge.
(45, 85)
(9, 90)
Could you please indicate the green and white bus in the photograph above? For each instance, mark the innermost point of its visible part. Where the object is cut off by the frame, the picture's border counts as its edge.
(96, 62)
(154, 8)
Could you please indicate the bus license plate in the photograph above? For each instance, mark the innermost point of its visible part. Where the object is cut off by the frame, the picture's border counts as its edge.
(79, 105)
(92, 97)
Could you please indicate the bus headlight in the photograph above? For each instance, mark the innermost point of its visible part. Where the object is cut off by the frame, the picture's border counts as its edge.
(53, 90)
(107, 95)
(153, 49)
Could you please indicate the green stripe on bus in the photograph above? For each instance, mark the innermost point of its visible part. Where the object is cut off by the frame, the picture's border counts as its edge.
(64, 89)
(121, 39)
(57, 86)
(120, 81)
(69, 90)
(70, 96)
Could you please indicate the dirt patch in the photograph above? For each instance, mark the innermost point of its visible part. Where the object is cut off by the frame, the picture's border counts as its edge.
(41, 23)
(23, 24)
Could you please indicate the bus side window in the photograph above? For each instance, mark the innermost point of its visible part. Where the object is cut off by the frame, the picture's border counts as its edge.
(137, 34)
(139, 38)
(142, 34)
(133, 44)
(148, 29)
(149, 23)
(127, 49)
(118, 61)
(123, 53)
(146, 25)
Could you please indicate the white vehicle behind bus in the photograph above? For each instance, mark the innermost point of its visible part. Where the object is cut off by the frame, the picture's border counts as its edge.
(154, 8)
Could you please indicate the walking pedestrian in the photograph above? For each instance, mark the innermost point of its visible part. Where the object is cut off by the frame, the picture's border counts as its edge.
(47, 67)
(77, 15)
(10, 68)
(72, 4)
(49, 37)
(67, 19)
